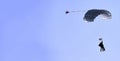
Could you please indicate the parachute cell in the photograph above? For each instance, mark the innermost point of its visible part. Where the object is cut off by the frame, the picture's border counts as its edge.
(90, 15)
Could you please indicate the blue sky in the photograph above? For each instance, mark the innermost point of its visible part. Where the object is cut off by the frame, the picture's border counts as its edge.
(39, 30)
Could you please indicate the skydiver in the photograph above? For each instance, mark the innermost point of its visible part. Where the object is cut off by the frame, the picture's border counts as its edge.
(67, 12)
(102, 48)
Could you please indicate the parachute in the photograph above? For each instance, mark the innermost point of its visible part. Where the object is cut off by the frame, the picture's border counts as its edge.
(90, 15)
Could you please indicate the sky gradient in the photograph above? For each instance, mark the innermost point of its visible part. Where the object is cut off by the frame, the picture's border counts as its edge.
(39, 30)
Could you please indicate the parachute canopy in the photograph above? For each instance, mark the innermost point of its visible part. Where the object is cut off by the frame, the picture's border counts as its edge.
(90, 15)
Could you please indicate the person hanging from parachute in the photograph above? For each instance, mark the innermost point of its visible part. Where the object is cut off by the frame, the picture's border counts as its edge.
(66, 12)
(101, 45)
(90, 16)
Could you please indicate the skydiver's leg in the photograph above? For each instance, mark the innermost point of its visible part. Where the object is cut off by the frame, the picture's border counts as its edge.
(102, 49)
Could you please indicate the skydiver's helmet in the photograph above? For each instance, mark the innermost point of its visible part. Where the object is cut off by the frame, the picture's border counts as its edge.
(100, 39)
